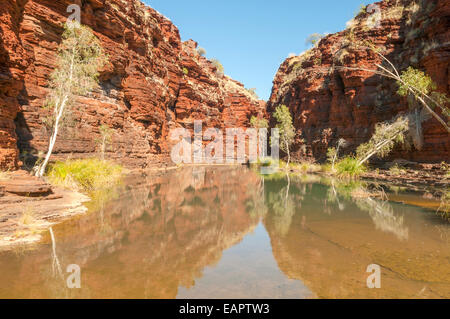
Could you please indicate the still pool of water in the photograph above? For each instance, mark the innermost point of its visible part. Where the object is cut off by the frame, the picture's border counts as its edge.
(227, 232)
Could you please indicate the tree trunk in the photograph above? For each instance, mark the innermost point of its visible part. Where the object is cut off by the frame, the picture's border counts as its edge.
(59, 113)
(288, 154)
(377, 148)
(41, 169)
(335, 157)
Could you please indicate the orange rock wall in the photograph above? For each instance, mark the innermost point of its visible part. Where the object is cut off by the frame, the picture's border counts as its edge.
(143, 92)
(328, 103)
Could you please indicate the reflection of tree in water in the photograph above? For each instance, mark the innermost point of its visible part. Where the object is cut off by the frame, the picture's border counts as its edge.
(156, 235)
(380, 211)
(333, 198)
(384, 217)
(255, 204)
(280, 204)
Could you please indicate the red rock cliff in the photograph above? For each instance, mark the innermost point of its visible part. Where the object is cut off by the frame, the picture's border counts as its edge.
(328, 103)
(152, 83)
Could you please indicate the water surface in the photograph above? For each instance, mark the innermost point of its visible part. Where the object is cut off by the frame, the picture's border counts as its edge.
(227, 232)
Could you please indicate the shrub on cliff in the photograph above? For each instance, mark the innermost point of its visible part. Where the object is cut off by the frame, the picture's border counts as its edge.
(314, 39)
(201, 51)
(80, 56)
(85, 175)
(218, 66)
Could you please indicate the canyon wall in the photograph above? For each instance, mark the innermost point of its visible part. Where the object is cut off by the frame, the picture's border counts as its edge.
(153, 82)
(328, 103)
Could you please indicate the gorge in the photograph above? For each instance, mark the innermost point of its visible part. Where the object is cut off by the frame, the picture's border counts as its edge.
(139, 224)
(155, 82)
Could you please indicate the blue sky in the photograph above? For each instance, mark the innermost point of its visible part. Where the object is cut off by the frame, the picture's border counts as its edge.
(253, 37)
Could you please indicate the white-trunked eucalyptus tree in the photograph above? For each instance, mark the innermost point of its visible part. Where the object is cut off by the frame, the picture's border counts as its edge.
(80, 56)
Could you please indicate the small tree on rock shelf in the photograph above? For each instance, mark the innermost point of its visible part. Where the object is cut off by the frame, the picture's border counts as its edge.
(79, 58)
(333, 152)
(286, 129)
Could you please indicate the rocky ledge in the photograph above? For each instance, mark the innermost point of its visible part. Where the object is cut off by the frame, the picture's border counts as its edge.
(29, 206)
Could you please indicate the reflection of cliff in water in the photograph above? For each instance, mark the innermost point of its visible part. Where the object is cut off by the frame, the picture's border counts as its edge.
(328, 244)
(156, 236)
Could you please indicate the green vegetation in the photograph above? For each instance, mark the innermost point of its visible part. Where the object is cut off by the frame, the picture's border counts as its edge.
(258, 123)
(350, 167)
(85, 175)
(80, 56)
(362, 9)
(386, 135)
(185, 71)
(444, 209)
(286, 129)
(333, 152)
(416, 84)
(397, 170)
(417, 78)
(218, 66)
(422, 85)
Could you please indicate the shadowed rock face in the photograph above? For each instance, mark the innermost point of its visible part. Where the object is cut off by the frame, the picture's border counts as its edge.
(329, 103)
(152, 83)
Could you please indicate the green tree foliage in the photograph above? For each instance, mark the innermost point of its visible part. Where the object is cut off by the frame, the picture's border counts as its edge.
(258, 123)
(333, 152)
(80, 56)
(286, 129)
(386, 135)
(417, 79)
(350, 167)
(412, 83)
(423, 85)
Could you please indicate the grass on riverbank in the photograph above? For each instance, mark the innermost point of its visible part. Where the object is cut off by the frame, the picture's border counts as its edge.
(349, 167)
(85, 175)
